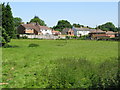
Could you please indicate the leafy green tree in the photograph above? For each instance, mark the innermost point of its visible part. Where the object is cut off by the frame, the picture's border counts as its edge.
(17, 21)
(7, 19)
(109, 26)
(62, 24)
(77, 25)
(37, 19)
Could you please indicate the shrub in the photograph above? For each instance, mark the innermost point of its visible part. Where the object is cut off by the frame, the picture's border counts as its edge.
(24, 37)
(10, 46)
(74, 37)
(67, 37)
(80, 73)
(84, 37)
(33, 45)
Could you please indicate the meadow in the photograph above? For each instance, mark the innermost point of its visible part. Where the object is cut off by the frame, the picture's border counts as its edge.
(32, 63)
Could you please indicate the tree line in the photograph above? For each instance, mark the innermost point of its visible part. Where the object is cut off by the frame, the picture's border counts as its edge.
(9, 24)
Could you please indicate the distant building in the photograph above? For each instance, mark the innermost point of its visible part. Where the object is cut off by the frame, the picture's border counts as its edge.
(81, 31)
(56, 33)
(68, 32)
(34, 29)
(99, 34)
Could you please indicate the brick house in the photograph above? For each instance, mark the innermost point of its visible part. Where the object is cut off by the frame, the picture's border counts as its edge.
(56, 33)
(34, 29)
(68, 32)
(98, 34)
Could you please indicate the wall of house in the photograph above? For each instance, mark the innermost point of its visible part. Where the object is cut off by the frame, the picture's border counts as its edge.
(82, 33)
(111, 36)
(21, 30)
(29, 31)
(44, 32)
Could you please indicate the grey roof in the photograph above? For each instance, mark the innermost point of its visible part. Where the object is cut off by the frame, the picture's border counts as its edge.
(82, 29)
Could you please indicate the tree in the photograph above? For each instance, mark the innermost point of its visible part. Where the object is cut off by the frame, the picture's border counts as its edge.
(7, 19)
(77, 25)
(37, 19)
(17, 21)
(62, 24)
(0, 14)
(7, 25)
(109, 26)
(3, 15)
(4, 38)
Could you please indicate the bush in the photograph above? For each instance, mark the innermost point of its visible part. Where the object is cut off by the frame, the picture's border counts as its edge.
(85, 37)
(10, 46)
(33, 45)
(24, 37)
(67, 37)
(74, 37)
(79, 73)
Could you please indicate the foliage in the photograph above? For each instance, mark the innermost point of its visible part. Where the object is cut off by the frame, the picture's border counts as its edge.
(10, 46)
(17, 21)
(109, 26)
(0, 15)
(7, 20)
(62, 24)
(4, 37)
(85, 37)
(77, 25)
(36, 19)
(74, 37)
(80, 73)
(23, 37)
(67, 37)
(33, 45)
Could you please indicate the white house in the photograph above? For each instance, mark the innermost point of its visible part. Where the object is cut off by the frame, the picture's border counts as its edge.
(81, 31)
(44, 30)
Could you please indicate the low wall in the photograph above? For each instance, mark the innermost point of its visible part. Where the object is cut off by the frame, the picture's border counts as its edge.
(41, 36)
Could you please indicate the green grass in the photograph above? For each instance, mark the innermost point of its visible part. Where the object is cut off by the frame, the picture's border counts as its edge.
(37, 66)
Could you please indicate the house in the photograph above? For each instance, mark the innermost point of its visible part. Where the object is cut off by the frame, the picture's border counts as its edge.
(99, 34)
(45, 30)
(56, 33)
(81, 31)
(110, 34)
(68, 32)
(34, 29)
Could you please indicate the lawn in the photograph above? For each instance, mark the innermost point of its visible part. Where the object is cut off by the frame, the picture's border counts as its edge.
(59, 63)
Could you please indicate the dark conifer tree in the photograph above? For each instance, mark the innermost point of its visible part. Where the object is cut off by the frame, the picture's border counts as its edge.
(6, 24)
(7, 19)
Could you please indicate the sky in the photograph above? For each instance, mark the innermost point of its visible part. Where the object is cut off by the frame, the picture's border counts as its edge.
(85, 13)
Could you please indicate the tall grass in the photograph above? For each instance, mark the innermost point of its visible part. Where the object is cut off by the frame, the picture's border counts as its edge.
(76, 73)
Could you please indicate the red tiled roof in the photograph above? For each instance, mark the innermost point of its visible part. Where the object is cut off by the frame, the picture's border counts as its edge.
(36, 27)
(44, 27)
(55, 31)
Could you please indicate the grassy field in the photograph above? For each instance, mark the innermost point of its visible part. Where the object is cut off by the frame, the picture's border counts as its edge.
(59, 64)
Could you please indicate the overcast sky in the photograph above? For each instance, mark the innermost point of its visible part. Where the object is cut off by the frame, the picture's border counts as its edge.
(84, 13)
